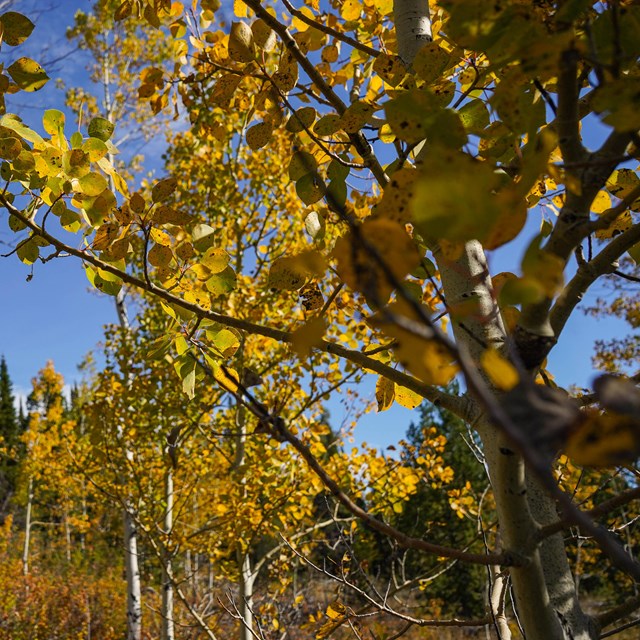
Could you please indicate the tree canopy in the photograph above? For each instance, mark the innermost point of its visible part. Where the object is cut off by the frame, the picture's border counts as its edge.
(335, 178)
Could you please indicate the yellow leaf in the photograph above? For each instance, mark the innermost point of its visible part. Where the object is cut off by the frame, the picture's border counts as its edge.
(622, 223)
(501, 372)
(385, 7)
(385, 392)
(605, 440)
(259, 135)
(239, 9)
(308, 336)
(427, 359)
(601, 202)
(351, 9)
(362, 272)
(159, 255)
(241, 47)
(407, 398)
(299, 24)
(336, 611)
(226, 377)
(215, 260)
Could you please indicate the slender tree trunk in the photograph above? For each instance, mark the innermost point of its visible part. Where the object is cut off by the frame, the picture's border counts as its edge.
(27, 530)
(132, 570)
(497, 600)
(247, 576)
(167, 568)
(247, 579)
(545, 594)
(67, 536)
(134, 591)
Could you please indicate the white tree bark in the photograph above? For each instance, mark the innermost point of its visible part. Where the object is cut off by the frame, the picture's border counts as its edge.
(27, 529)
(132, 571)
(546, 599)
(132, 568)
(247, 579)
(413, 27)
(167, 567)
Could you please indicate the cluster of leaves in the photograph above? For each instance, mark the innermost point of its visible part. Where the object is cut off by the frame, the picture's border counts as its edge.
(266, 252)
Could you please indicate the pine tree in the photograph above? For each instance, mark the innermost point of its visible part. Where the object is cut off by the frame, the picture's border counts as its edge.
(462, 591)
(9, 433)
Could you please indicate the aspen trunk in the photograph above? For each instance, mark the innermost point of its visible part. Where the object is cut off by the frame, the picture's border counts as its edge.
(132, 569)
(247, 579)
(27, 530)
(545, 594)
(167, 568)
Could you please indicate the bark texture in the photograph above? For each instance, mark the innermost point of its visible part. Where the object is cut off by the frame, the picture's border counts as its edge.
(545, 594)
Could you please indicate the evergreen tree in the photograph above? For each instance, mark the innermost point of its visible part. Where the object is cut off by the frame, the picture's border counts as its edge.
(9, 437)
(462, 589)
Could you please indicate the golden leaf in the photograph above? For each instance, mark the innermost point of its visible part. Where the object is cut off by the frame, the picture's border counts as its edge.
(407, 398)
(309, 335)
(361, 271)
(385, 393)
(501, 372)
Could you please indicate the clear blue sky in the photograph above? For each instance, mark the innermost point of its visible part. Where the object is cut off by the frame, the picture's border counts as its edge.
(56, 317)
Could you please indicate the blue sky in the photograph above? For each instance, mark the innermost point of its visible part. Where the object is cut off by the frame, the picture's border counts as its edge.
(56, 317)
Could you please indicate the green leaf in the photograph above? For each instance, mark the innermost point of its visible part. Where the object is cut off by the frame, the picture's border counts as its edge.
(310, 189)
(28, 251)
(417, 114)
(25, 162)
(75, 163)
(519, 107)
(202, 237)
(53, 122)
(302, 118)
(76, 140)
(186, 369)
(70, 220)
(337, 193)
(28, 74)
(93, 184)
(16, 28)
(14, 123)
(328, 125)
(301, 164)
(104, 281)
(337, 171)
(474, 116)
(356, 116)
(448, 207)
(225, 341)
(10, 148)
(259, 135)
(222, 282)
(99, 207)
(15, 224)
(101, 128)
(95, 148)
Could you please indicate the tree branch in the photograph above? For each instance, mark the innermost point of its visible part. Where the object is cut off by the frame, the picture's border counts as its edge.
(459, 405)
(605, 262)
(352, 42)
(357, 139)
